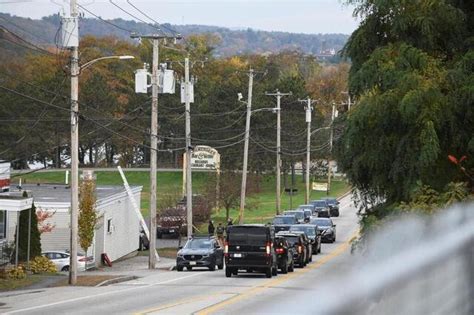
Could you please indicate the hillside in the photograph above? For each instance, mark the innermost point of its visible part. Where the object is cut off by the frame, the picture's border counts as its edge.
(44, 32)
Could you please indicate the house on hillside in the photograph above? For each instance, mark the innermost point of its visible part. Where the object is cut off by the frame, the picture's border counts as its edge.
(117, 231)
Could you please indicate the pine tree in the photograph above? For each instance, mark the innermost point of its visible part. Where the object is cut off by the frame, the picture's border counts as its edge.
(35, 237)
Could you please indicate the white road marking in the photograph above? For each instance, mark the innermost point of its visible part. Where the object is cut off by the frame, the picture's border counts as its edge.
(100, 294)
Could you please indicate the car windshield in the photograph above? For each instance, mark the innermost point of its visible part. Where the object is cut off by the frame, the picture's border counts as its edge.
(321, 222)
(298, 214)
(320, 203)
(331, 201)
(306, 229)
(292, 240)
(284, 220)
(198, 243)
(305, 207)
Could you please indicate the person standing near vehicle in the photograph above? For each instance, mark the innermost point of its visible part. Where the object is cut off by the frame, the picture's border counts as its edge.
(229, 222)
(211, 228)
(220, 234)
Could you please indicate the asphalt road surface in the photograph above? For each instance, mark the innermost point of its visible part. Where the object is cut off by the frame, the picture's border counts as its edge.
(199, 292)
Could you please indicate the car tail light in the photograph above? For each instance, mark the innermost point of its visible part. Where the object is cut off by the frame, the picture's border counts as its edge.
(300, 249)
(279, 250)
(267, 248)
(82, 259)
(226, 249)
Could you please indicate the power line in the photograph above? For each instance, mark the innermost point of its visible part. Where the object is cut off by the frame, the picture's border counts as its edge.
(151, 19)
(133, 16)
(105, 21)
(36, 48)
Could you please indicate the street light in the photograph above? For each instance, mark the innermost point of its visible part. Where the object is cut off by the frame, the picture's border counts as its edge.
(90, 63)
(75, 72)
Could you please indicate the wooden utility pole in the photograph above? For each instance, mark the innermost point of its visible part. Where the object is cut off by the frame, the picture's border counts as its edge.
(278, 95)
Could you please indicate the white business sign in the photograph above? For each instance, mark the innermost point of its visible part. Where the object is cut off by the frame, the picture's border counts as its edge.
(320, 186)
(204, 158)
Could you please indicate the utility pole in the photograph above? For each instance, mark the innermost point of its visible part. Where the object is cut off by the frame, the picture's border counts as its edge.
(308, 109)
(74, 150)
(278, 95)
(246, 148)
(189, 186)
(331, 135)
(155, 38)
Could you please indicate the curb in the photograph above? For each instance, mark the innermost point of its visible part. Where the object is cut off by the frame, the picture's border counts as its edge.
(115, 280)
(172, 268)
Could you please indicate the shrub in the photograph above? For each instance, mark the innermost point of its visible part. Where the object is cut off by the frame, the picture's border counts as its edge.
(42, 264)
(16, 273)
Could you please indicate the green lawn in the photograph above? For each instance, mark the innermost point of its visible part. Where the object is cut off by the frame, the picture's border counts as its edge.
(262, 205)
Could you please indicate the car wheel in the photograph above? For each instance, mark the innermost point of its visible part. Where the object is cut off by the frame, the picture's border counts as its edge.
(179, 268)
(212, 267)
(284, 268)
(159, 235)
(268, 272)
(228, 272)
(319, 248)
(235, 272)
(221, 266)
(189, 268)
(310, 258)
(275, 271)
(65, 268)
(291, 268)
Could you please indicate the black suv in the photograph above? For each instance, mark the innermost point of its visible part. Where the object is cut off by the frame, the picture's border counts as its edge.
(284, 252)
(321, 208)
(333, 206)
(250, 247)
(327, 229)
(296, 240)
(200, 251)
(283, 222)
(313, 234)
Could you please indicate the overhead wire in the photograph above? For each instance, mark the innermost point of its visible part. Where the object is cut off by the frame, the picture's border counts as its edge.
(133, 16)
(105, 21)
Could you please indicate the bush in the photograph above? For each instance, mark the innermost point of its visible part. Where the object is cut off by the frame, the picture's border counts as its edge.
(42, 264)
(16, 273)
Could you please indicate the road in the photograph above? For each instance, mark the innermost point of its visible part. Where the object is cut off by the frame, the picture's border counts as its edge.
(198, 292)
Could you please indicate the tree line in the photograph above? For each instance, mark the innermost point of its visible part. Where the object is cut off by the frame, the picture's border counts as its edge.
(114, 121)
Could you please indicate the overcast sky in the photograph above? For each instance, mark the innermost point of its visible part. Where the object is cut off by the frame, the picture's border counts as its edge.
(298, 16)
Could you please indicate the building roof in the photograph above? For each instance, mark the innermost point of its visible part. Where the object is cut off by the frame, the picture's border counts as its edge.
(60, 194)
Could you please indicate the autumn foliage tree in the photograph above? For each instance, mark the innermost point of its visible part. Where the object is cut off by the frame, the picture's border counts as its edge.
(87, 214)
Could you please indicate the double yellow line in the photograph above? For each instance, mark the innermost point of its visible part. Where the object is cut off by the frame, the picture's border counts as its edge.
(273, 283)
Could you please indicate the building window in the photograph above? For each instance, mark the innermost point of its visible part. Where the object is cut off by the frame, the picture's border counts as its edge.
(110, 227)
(3, 224)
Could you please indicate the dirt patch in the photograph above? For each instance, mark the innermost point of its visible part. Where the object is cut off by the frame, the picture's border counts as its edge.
(87, 281)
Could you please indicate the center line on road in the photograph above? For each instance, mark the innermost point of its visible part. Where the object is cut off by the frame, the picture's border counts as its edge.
(273, 283)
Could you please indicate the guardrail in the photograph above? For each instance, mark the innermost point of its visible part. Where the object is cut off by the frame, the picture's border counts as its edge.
(414, 265)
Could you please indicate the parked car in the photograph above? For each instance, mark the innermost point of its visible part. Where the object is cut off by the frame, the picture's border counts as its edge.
(250, 247)
(284, 252)
(200, 252)
(327, 228)
(283, 222)
(308, 211)
(299, 214)
(333, 206)
(171, 221)
(313, 234)
(321, 208)
(62, 261)
(295, 240)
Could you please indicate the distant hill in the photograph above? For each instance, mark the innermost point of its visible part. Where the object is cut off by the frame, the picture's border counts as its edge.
(233, 42)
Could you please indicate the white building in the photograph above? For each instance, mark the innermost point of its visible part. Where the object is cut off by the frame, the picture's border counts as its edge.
(117, 231)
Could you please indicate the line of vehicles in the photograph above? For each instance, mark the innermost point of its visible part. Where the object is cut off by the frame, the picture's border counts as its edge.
(289, 241)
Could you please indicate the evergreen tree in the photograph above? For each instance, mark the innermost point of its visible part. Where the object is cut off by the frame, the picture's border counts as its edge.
(35, 237)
